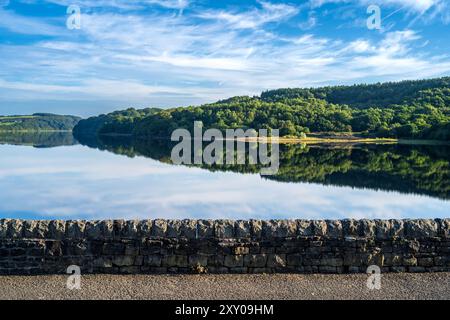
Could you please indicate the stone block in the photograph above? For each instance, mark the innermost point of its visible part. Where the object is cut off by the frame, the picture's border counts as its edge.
(224, 229)
(153, 260)
(242, 228)
(4, 228)
(319, 228)
(295, 260)
(173, 228)
(145, 228)
(279, 229)
(205, 229)
(122, 261)
(276, 260)
(233, 261)
(334, 229)
(198, 260)
(15, 228)
(175, 261)
(131, 229)
(256, 229)
(189, 229)
(75, 229)
(93, 229)
(56, 230)
(350, 228)
(159, 228)
(255, 260)
(421, 228)
(367, 228)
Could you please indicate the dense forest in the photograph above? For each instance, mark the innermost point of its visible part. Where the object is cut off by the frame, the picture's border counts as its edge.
(38, 122)
(408, 109)
(117, 122)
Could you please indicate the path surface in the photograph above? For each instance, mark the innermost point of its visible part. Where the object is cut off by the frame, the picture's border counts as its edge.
(278, 286)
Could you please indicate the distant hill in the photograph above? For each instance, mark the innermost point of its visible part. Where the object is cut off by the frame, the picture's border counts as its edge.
(38, 122)
(408, 109)
(117, 122)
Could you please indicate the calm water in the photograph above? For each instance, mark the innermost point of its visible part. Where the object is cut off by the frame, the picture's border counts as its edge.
(52, 176)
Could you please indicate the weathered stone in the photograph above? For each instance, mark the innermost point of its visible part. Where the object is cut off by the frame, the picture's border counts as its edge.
(122, 261)
(153, 260)
(103, 262)
(159, 228)
(118, 228)
(334, 229)
(41, 229)
(15, 228)
(409, 261)
(173, 228)
(331, 262)
(53, 248)
(242, 228)
(279, 229)
(189, 229)
(233, 261)
(389, 229)
(350, 228)
(255, 260)
(367, 228)
(294, 260)
(75, 229)
(129, 270)
(224, 229)
(241, 250)
(319, 228)
(205, 229)
(305, 228)
(131, 250)
(93, 229)
(276, 260)
(425, 262)
(131, 229)
(145, 228)
(198, 260)
(28, 228)
(423, 228)
(256, 229)
(107, 228)
(287, 246)
(446, 227)
(56, 229)
(392, 260)
(175, 261)
(4, 228)
(138, 260)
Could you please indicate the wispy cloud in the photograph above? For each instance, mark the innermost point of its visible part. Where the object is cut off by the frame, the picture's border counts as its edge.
(162, 58)
(252, 19)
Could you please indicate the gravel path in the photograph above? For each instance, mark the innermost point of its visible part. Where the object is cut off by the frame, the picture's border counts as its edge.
(277, 286)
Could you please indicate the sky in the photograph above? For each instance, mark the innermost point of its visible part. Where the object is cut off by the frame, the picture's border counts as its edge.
(168, 53)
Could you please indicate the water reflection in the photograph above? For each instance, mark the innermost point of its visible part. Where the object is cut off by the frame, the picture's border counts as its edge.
(418, 169)
(38, 139)
(80, 182)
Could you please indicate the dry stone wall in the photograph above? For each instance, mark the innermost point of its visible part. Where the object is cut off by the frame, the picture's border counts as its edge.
(224, 246)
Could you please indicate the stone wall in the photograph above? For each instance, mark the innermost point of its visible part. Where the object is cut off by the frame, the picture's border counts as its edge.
(224, 246)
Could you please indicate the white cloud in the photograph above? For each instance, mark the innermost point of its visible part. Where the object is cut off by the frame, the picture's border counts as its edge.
(414, 5)
(165, 59)
(252, 19)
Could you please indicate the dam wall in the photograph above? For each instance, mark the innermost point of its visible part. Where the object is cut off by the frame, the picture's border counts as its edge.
(223, 246)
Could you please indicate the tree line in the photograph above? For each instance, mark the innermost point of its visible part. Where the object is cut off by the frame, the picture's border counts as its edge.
(407, 109)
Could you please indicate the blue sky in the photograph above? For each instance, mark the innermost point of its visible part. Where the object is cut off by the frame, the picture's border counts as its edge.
(142, 53)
